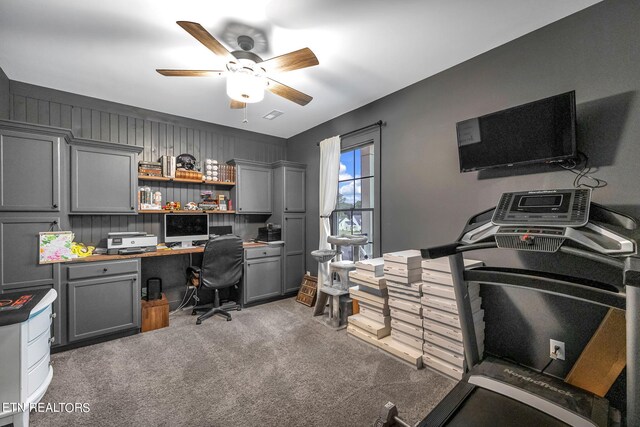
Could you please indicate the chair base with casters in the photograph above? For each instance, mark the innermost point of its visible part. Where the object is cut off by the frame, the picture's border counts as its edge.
(216, 309)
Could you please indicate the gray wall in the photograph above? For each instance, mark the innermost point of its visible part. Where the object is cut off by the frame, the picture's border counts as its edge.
(4, 95)
(426, 201)
(158, 134)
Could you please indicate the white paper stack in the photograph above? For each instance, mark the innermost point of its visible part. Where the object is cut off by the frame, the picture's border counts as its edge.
(402, 272)
(443, 344)
(372, 322)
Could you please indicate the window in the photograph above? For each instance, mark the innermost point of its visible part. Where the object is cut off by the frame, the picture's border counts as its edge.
(355, 208)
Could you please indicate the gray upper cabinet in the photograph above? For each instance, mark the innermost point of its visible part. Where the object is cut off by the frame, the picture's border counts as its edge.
(289, 185)
(252, 193)
(294, 189)
(29, 170)
(19, 248)
(103, 178)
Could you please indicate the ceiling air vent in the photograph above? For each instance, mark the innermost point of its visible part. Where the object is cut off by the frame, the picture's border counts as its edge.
(272, 114)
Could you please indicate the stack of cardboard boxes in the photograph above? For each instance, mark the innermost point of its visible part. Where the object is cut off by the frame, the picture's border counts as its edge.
(402, 271)
(368, 287)
(443, 344)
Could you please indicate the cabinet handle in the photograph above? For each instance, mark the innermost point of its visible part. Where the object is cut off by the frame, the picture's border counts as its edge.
(105, 269)
(55, 206)
(133, 208)
(53, 315)
(51, 340)
(286, 209)
(239, 209)
(135, 279)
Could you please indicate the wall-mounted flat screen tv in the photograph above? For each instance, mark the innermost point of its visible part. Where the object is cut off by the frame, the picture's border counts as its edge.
(540, 131)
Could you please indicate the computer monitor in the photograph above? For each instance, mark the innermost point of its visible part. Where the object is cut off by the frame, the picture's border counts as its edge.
(185, 228)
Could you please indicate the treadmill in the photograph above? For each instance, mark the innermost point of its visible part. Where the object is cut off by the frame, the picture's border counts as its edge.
(498, 393)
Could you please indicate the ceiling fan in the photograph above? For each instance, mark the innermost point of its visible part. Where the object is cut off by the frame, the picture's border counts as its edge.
(247, 74)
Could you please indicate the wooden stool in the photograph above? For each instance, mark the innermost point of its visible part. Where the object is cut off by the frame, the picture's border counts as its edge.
(155, 314)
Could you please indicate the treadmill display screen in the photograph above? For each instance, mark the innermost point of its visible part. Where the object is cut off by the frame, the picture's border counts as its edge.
(541, 201)
(554, 208)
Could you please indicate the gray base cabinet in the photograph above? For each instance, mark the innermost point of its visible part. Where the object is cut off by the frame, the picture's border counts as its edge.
(262, 274)
(293, 234)
(102, 298)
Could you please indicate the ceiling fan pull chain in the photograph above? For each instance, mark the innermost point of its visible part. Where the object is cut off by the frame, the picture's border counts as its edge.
(245, 120)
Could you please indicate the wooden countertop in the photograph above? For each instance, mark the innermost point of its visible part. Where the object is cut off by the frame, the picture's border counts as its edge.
(159, 252)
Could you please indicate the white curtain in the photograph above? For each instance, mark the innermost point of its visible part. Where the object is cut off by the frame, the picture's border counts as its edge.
(329, 171)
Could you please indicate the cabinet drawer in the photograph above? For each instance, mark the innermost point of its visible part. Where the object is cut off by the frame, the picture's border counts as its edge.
(40, 323)
(37, 349)
(101, 269)
(253, 253)
(37, 375)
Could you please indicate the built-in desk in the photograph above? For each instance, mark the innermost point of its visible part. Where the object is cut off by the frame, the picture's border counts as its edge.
(161, 252)
(101, 293)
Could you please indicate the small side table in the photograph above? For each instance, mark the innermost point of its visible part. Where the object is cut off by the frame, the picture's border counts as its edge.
(155, 314)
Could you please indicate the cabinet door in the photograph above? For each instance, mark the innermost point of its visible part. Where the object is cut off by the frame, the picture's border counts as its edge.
(294, 228)
(101, 306)
(254, 189)
(19, 248)
(294, 190)
(102, 181)
(29, 172)
(262, 279)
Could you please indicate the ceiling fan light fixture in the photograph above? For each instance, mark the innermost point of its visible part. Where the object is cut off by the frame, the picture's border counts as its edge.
(244, 86)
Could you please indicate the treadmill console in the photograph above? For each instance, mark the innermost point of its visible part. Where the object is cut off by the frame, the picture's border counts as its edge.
(557, 208)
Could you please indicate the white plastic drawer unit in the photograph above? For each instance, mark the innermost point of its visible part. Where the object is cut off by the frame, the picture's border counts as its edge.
(38, 348)
(37, 375)
(253, 253)
(39, 323)
(94, 270)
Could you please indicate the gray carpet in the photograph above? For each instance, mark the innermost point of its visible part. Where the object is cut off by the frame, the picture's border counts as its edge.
(272, 365)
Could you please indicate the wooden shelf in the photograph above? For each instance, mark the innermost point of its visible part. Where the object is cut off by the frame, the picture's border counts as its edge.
(183, 180)
(182, 211)
(153, 178)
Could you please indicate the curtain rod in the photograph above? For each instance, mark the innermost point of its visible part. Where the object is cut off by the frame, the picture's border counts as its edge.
(378, 123)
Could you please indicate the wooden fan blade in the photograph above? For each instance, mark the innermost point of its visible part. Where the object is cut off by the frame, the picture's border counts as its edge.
(203, 36)
(189, 73)
(302, 58)
(236, 105)
(288, 93)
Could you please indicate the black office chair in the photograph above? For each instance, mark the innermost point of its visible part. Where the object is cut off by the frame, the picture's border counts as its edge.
(221, 268)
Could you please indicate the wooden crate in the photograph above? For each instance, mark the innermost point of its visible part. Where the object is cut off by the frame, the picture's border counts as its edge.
(308, 291)
(155, 314)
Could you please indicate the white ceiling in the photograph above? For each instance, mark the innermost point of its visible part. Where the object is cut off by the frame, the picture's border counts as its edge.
(366, 48)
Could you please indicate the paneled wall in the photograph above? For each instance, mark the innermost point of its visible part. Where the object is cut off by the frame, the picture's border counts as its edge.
(158, 134)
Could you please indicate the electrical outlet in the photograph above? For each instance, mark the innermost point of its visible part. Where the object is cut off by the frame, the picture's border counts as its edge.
(559, 354)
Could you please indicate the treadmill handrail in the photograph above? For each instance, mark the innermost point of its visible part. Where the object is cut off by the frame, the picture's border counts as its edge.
(540, 283)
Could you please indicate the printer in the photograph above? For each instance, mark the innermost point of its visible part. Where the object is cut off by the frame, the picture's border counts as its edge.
(128, 242)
